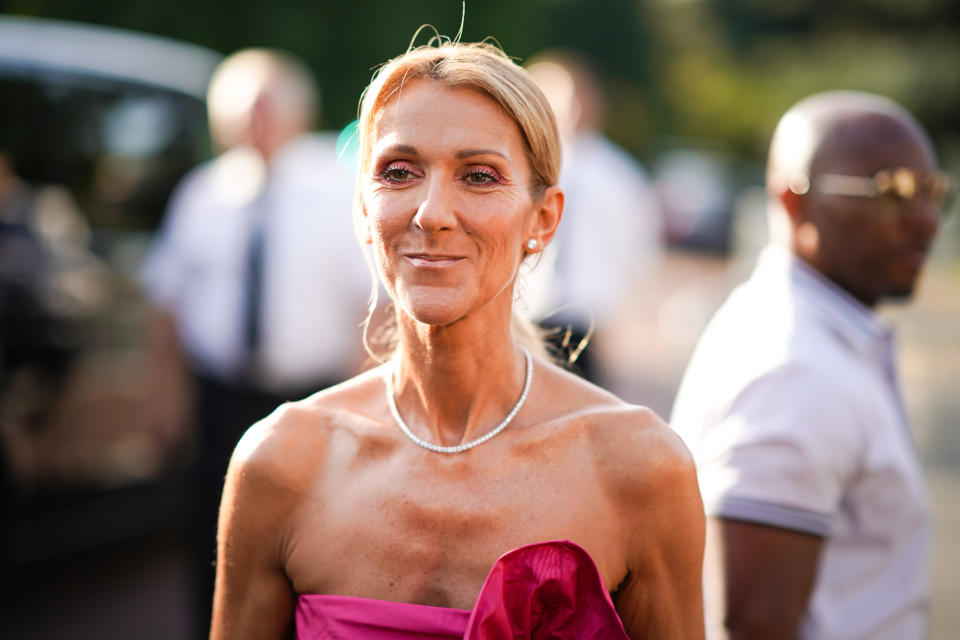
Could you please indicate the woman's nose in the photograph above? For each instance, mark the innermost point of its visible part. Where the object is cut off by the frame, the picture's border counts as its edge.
(436, 211)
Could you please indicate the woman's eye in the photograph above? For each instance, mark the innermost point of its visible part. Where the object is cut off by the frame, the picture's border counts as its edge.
(480, 176)
(396, 173)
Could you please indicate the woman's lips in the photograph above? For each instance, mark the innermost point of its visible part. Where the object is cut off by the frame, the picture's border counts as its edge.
(432, 260)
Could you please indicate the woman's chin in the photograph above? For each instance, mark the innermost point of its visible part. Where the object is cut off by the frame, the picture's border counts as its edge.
(434, 306)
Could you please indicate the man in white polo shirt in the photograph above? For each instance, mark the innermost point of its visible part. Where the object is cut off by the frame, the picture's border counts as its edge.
(819, 522)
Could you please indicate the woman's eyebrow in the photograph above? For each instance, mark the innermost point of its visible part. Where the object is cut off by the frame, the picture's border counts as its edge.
(469, 153)
(402, 148)
(408, 149)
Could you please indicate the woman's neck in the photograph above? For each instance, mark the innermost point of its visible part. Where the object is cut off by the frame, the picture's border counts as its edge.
(454, 384)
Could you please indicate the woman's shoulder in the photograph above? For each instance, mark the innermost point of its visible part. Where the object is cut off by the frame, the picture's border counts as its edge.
(630, 443)
(297, 437)
(637, 449)
(610, 418)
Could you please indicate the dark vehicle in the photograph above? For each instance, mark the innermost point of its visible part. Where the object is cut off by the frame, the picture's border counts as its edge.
(96, 127)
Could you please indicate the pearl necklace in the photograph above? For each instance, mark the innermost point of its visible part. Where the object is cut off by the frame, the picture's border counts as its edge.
(465, 445)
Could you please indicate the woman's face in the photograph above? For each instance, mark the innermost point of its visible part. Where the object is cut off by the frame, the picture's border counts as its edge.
(448, 203)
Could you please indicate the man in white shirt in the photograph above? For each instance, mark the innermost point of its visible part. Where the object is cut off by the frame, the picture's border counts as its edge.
(818, 515)
(258, 268)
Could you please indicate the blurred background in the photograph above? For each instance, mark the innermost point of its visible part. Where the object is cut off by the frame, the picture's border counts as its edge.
(102, 111)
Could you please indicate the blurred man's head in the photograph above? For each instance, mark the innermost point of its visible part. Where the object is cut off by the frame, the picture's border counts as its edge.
(853, 185)
(261, 98)
(572, 90)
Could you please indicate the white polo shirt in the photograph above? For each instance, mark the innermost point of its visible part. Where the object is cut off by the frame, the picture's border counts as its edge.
(793, 411)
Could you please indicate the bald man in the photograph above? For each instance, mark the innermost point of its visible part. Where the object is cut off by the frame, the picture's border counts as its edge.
(818, 514)
(258, 268)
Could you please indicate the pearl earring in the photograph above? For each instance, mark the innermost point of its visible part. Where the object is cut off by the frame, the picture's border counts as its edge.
(532, 244)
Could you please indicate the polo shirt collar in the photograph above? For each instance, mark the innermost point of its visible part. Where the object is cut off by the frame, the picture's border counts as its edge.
(855, 323)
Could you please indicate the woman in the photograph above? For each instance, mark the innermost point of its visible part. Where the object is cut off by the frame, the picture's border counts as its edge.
(380, 505)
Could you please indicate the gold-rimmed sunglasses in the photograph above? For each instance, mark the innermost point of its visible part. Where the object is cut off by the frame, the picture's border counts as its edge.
(901, 183)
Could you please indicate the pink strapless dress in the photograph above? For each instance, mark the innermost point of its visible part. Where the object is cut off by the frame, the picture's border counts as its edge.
(539, 591)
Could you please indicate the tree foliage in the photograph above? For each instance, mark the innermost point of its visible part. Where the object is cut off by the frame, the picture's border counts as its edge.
(722, 70)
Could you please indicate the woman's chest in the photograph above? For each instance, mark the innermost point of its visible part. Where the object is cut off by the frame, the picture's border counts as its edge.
(431, 538)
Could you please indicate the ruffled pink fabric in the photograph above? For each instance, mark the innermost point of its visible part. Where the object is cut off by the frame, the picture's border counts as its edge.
(539, 591)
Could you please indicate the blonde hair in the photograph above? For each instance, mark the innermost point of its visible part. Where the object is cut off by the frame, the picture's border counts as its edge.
(481, 67)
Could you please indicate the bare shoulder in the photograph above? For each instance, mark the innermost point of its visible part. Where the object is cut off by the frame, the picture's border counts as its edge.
(626, 439)
(291, 445)
(641, 443)
(645, 467)
(643, 462)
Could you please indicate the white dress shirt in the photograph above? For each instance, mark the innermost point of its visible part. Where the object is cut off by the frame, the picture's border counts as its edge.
(315, 280)
(793, 411)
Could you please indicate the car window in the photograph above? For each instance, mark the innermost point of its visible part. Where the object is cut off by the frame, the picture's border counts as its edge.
(87, 165)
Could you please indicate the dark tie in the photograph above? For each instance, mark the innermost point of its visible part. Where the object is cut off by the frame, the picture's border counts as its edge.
(253, 299)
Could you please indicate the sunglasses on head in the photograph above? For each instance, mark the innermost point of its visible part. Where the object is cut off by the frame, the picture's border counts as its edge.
(901, 183)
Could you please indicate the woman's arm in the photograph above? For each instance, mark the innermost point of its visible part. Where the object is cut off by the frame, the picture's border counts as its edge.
(253, 598)
(662, 596)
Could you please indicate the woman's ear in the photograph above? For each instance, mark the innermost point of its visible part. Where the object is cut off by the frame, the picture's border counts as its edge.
(548, 215)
